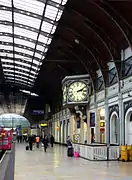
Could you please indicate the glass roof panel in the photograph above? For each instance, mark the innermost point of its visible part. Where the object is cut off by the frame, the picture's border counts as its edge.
(22, 68)
(51, 12)
(38, 55)
(7, 47)
(36, 62)
(6, 39)
(46, 27)
(11, 76)
(8, 65)
(59, 15)
(7, 60)
(5, 28)
(26, 20)
(25, 32)
(53, 29)
(23, 58)
(40, 48)
(64, 2)
(21, 63)
(23, 42)
(43, 39)
(5, 15)
(31, 6)
(24, 51)
(5, 2)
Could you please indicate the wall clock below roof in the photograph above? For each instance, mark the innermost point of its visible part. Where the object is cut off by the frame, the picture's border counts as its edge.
(76, 90)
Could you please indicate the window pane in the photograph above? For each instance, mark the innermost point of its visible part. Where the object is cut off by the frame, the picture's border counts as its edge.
(6, 60)
(31, 6)
(7, 47)
(64, 2)
(40, 48)
(23, 42)
(51, 12)
(8, 65)
(5, 15)
(5, 2)
(6, 39)
(38, 55)
(26, 20)
(43, 39)
(5, 28)
(21, 63)
(53, 29)
(36, 62)
(46, 27)
(23, 51)
(59, 15)
(25, 32)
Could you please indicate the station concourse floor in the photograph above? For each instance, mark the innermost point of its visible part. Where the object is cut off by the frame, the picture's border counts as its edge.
(55, 165)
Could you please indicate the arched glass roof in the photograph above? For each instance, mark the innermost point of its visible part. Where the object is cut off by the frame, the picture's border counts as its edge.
(26, 31)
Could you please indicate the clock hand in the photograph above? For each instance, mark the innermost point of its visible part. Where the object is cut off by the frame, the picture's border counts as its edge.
(80, 89)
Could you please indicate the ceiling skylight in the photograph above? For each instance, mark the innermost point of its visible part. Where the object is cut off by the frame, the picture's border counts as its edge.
(26, 31)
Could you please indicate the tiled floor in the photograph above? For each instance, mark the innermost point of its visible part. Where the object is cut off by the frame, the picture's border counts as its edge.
(55, 165)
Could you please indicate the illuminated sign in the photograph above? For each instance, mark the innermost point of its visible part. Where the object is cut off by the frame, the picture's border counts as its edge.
(102, 124)
(44, 125)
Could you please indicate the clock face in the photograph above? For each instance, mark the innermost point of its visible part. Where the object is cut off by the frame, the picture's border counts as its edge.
(77, 91)
(64, 94)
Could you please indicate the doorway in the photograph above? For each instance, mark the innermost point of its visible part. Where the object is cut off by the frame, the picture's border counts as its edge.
(128, 127)
(114, 128)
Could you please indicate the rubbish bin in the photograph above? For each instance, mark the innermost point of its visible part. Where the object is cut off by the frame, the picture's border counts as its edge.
(124, 153)
(129, 148)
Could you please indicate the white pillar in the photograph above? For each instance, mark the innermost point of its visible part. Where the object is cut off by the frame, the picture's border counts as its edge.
(107, 123)
(121, 118)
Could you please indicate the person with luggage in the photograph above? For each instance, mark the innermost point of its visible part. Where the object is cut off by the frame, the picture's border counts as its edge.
(45, 142)
(31, 141)
(52, 140)
(70, 147)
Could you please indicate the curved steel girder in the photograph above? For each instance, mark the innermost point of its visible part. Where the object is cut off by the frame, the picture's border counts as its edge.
(126, 27)
(121, 26)
(23, 38)
(98, 35)
(111, 45)
(8, 23)
(20, 46)
(85, 47)
(114, 19)
(95, 58)
(92, 75)
(18, 53)
(27, 13)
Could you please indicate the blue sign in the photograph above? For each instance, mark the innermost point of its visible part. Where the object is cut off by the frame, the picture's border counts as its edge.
(92, 119)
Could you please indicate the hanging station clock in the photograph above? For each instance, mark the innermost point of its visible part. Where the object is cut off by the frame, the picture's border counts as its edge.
(75, 89)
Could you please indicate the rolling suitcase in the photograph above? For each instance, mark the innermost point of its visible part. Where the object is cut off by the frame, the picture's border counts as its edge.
(70, 151)
(27, 148)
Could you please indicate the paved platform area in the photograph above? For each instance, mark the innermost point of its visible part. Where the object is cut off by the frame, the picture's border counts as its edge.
(55, 165)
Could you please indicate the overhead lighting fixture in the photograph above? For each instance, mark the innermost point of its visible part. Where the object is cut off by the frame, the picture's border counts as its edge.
(76, 41)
